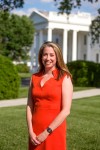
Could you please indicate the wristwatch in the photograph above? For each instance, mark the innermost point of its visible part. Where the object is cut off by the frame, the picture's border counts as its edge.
(49, 130)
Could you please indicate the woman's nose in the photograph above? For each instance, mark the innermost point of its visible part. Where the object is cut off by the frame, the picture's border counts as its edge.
(48, 57)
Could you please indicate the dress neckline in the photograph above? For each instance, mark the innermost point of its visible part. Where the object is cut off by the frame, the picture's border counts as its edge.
(55, 75)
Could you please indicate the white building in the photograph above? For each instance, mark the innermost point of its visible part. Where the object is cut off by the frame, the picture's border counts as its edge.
(70, 32)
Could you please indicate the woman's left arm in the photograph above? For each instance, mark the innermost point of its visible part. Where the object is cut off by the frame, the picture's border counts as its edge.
(67, 92)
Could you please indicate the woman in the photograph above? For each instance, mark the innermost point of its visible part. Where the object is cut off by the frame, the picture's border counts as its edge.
(49, 101)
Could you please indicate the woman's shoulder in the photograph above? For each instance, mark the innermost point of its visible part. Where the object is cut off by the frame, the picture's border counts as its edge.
(65, 76)
(35, 77)
(36, 74)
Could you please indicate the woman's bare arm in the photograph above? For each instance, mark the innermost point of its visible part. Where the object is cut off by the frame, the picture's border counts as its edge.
(29, 108)
(29, 111)
(67, 92)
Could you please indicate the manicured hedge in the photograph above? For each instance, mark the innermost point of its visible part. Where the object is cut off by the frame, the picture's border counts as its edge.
(85, 73)
(97, 76)
(9, 79)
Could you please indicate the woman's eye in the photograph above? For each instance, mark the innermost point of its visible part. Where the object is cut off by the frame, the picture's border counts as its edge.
(44, 54)
(51, 55)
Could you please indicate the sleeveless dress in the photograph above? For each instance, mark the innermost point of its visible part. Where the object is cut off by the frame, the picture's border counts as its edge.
(47, 101)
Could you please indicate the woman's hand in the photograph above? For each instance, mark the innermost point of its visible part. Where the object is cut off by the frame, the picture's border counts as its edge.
(42, 136)
(33, 138)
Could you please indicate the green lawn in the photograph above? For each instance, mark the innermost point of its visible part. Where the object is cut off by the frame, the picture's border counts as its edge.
(83, 126)
(25, 75)
(13, 131)
(82, 88)
(23, 92)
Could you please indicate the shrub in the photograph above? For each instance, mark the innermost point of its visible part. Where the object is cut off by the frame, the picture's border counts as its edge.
(9, 79)
(97, 76)
(22, 68)
(84, 73)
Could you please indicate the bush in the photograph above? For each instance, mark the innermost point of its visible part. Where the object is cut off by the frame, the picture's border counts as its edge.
(97, 76)
(85, 73)
(9, 79)
(22, 68)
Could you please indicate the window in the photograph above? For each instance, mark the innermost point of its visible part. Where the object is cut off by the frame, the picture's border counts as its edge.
(57, 40)
(97, 58)
(97, 40)
(85, 39)
(84, 56)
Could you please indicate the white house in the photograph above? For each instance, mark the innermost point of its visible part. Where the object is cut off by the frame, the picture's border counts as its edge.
(70, 32)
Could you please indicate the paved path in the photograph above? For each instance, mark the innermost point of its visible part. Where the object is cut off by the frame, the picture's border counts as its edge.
(86, 93)
(76, 95)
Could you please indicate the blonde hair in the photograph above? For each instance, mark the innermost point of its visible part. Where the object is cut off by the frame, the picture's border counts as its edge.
(61, 66)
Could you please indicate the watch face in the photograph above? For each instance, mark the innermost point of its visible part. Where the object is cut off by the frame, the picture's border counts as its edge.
(49, 130)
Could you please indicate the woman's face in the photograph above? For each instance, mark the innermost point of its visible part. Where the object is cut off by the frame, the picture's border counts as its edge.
(49, 58)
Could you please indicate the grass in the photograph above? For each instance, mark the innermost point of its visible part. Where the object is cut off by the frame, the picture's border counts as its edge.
(13, 131)
(23, 92)
(82, 88)
(83, 126)
(25, 75)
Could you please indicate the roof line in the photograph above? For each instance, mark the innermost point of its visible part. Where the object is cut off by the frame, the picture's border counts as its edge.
(39, 13)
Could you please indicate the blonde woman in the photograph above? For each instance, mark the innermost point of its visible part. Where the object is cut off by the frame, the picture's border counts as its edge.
(49, 101)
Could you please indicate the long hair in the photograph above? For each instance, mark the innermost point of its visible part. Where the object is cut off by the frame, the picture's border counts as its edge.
(61, 66)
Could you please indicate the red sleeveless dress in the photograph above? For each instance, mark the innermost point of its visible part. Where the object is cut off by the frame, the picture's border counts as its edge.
(47, 105)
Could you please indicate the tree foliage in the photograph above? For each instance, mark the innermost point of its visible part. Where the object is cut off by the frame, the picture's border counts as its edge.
(16, 36)
(7, 5)
(66, 6)
(95, 29)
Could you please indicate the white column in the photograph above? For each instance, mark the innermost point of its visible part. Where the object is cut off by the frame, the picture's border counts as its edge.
(40, 38)
(32, 51)
(49, 34)
(65, 36)
(74, 46)
(88, 47)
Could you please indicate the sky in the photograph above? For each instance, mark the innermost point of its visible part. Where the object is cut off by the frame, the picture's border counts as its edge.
(49, 5)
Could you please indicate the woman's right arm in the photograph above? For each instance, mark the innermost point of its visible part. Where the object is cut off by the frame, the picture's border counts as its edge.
(29, 111)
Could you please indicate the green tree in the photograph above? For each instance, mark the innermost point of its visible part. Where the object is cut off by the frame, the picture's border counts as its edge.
(66, 6)
(4, 26)
(7, 5)
(16, 36)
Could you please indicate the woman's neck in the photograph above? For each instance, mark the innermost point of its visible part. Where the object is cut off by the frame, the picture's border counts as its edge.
(49, 71)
